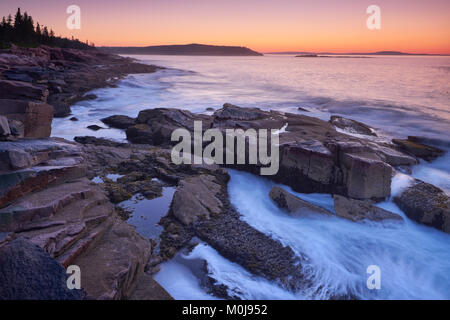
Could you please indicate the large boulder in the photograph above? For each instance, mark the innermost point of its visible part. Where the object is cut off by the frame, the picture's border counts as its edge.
(196, 198)
(22, 91)
(358, 210)
(35, 117)
(29, 273)
(293, 204)
(426, 204)
(366, 178)
(308, 166)
(140, 133)
(160, 123)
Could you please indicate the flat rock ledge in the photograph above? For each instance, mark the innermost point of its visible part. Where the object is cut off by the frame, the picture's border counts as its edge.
(314, 157)
(66, 220)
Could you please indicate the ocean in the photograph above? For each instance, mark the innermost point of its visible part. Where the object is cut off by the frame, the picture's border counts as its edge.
(397, 95)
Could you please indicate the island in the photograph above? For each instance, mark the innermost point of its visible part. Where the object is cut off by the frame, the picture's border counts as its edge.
(193, 49)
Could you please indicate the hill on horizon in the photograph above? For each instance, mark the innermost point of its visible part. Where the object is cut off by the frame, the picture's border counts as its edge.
(193, 49)
(378, 53)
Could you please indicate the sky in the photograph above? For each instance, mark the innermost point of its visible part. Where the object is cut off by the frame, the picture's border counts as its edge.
(415, 26)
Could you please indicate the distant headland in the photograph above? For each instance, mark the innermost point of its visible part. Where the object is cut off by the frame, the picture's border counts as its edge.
(186, 50)
(378, 53)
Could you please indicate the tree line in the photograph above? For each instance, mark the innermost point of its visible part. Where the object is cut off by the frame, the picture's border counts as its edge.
(22, 32)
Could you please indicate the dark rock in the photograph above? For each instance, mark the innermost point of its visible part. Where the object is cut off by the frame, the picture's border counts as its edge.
(434, 142)
(352, 125)
(358, 210)
(61, 105)
(426, 204)
(118, 121)
(425, 152)
(293, 204)
(232, 112)
(139, 133)
(18, 77)
(209, 109)
(98, 141)
(73, 119)
(116, 193)
(90, 96)
(302, 109)
(94, 127)
(157, 125)
(29, 273)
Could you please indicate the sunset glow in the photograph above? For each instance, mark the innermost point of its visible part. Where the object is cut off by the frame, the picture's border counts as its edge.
(283, 25)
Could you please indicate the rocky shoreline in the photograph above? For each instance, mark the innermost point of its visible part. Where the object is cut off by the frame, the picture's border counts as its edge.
(48, 200)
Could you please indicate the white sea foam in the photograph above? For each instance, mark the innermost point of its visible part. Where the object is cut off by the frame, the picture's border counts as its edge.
(414, 260)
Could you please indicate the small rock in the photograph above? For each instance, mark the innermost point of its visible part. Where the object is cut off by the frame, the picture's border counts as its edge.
(294, 205)
(90, 97)
(73, 119)
(118, 121)
(4, 126)
(357, 210)
(16, 127)
(94, 127)
(352, 125)
(423, 151)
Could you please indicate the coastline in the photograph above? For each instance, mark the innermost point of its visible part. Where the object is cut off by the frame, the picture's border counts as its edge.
(316, 159)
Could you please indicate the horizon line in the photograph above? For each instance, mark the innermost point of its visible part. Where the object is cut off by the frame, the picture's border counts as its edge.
(395, 52)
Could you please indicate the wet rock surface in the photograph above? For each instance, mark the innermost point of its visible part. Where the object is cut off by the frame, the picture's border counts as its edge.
(232, 238)
(358, 210)
(352, 126)
(426, 204)
(314, 157)
(293, 204)
(414, 146)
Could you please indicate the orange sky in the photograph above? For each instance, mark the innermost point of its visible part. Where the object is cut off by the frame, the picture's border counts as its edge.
(264, 25)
